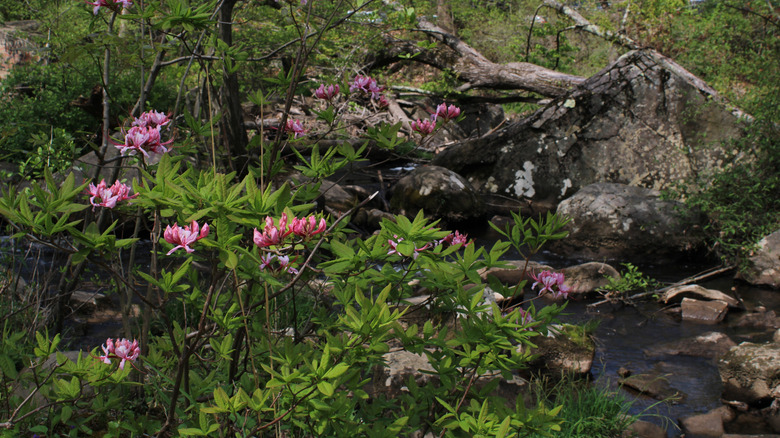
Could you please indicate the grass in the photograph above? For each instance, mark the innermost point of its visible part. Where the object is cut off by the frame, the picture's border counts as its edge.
(588, 410)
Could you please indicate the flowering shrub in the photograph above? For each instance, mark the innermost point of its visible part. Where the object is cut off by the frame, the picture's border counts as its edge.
(273, 318)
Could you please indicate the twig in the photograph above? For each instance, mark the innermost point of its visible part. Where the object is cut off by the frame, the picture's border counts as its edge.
(698, 277)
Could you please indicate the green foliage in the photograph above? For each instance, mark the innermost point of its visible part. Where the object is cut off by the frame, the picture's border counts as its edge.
(631, 280)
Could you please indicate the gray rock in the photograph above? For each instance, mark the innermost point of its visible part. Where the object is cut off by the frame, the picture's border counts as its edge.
(761, 319)
(713, 345)
(437, 191)
(703, 425)
(587, 277)
(559, 355)
(652, 384)
(644, 429)
(616, 221)
(764, 262)
(643, 120)
(85, 302)
(516, 273)
(703, 312)
(750, 372)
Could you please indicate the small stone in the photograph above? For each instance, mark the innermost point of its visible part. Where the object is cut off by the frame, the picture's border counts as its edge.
(703, 426)
(644, 429)
(703, 312)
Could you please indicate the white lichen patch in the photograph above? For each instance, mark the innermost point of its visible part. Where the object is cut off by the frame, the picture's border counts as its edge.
(491, 185)
(566, 186)
(627, 224)
(524, 183)
(426, 190)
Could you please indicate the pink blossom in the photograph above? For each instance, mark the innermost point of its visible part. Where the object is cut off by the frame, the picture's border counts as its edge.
(424, 127)
(122, 349)
(152, 119)
(267, 263)
(307, 227)
(552, 283)
(103, 196)
(394, 245)
(446, 113)
(455, 239)
(183, 237)
(365, 84)
(326, 93)
(272, 234)
(296, 127)
(109, 4)
(383, 102)
(143, 139)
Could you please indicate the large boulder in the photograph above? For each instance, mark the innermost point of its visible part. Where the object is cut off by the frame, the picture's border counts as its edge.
(437, 191)
(643, 120)
(751, 373)
(764, 262)
(616, 221)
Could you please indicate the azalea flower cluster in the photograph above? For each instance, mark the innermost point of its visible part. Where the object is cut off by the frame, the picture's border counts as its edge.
(110, 4)
(368, 86)
(552, 283)
(327, 93)
(122, 349)
(275, 235)
(455, 238)
(183, 237)
(103, 196)
(294, 127)
(144, 136)
(443, 113)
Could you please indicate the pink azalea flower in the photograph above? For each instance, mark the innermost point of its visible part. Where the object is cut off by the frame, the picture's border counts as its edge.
(103, 196)
(143, 139)
(455, 239)
(424, 127)
(122, 349)
(109, 4)
(326, 93)
(383, 102)
(152, 119)
(446, 113)
(366, 85)
(296, 127)
(394, 245)
(267, 263)
(272, 235)
(307, 227)
(552, 283)
(183, 237)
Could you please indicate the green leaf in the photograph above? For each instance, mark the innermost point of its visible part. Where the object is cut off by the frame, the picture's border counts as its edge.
(326, 388)
(336, 371)
(67, 412)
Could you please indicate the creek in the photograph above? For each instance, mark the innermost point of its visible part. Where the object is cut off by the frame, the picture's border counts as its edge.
(626, 336)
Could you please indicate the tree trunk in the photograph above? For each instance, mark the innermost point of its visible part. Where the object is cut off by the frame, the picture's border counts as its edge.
(473, 68)
(234, 138)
